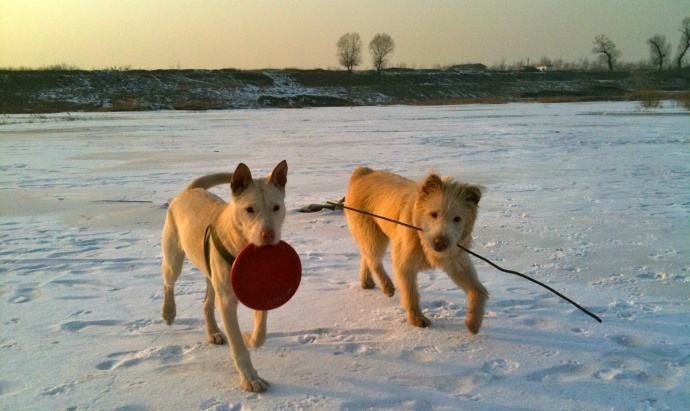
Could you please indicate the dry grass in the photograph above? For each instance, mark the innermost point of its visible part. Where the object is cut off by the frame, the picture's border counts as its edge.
(683, 99)
(650, 98)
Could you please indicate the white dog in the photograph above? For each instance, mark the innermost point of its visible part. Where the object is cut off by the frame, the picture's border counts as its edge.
(255, 215)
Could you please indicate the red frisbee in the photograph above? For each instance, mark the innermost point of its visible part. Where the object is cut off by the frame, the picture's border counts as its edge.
(266, 277)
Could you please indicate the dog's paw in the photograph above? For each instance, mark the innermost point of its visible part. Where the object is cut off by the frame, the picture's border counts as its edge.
(251, 342)
(216, 338)
(168, 313)
(475, 308)
(388, 289)
(473, 323)
(255, 384)
(368, 284)
(419, 321)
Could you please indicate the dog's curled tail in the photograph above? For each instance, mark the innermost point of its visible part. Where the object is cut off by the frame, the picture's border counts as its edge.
(211, 180)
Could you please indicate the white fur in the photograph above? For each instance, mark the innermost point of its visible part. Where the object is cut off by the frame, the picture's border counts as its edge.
(255, 215)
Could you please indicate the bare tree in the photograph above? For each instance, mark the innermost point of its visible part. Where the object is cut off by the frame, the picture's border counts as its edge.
(583, 64)
(380, 47)
(349, 51)
(684, 44)
(501, 65)
(608, 54)
(659, 50)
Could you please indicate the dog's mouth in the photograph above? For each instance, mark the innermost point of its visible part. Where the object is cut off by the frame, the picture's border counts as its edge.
(267, 242)
(264, 242)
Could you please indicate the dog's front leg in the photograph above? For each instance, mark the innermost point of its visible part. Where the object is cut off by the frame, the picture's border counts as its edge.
(465, 276)
(406, 280)
(409, 295)
(227, 303)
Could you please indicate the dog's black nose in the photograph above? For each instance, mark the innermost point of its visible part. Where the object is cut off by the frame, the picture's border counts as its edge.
(440, 243)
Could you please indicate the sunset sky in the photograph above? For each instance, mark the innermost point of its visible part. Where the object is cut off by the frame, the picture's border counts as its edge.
(254, 34)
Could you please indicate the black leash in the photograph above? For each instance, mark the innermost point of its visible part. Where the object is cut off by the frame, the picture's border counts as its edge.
(532, 280)
(339, 205)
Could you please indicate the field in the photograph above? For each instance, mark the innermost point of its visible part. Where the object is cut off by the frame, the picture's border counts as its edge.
(590, 198)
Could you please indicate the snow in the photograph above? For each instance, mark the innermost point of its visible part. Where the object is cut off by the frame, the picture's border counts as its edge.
(590, 198)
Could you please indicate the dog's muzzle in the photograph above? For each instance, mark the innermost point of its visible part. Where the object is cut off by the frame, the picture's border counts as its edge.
(268, 237)
(441, 244)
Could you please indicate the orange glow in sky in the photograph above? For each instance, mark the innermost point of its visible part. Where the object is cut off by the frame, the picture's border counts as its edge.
(255, 34)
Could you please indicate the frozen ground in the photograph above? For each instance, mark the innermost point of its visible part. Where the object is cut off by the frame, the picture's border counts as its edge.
(591, 198)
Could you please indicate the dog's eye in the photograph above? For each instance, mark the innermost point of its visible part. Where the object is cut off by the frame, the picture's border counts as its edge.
(457, 219)
(434, 215)
(276, 208)
(250, 210)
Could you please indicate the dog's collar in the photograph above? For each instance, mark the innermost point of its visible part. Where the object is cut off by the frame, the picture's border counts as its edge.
(211, 232)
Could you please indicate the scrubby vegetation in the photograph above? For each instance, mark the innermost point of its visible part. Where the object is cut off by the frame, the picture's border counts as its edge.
(64, 88)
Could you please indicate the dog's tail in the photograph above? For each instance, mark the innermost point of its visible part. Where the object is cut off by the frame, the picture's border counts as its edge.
(211, 180)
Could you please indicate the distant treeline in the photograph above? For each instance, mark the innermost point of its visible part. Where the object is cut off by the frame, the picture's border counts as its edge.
(559, 64)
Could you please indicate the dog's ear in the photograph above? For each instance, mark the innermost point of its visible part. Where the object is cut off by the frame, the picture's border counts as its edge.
(279, 175)
(473, 193)
(241, 179)
(432, 184)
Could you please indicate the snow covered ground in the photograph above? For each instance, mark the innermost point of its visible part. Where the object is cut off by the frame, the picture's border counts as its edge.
(590, 198)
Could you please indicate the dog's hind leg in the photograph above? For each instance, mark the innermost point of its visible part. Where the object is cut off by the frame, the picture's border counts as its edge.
(365, 275)
(372, 244)
(384, 280)
(173, 258)
(465, 276)
(213, 333)
(257, 337)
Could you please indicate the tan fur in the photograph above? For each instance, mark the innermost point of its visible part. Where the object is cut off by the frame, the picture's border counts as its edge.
(255, 215)
(444, 209)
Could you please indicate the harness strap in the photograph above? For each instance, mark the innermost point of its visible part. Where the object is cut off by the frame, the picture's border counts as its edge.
(211, 232)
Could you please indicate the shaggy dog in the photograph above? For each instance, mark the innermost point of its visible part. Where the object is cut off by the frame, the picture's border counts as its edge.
(445, 210)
